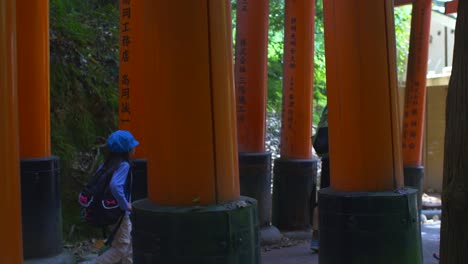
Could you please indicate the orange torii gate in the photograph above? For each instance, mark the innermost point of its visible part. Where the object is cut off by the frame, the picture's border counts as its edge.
(366, 206)
(415, 97)
(251, 93)
(225, 186)
(194, 212)
(295, 171)
(132, 88)
(40, 188)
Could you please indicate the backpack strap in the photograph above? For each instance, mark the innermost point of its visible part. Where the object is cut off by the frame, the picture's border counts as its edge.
(111, 236)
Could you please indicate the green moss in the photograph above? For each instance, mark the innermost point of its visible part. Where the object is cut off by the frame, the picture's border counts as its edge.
(84, 94)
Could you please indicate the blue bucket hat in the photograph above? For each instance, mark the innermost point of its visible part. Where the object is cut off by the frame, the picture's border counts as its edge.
(121, 141)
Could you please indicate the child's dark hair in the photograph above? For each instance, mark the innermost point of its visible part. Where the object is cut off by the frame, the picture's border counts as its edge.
(112, 160)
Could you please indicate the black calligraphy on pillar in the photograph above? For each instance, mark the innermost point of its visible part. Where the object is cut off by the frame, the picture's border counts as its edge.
(292, 48)
(125, 47)
(241, 62)
(244, 4)
(242, 79)
(292, 44)
(125, 87)
(416, 88)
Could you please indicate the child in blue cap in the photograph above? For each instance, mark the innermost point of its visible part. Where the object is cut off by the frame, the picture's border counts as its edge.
(121, 147)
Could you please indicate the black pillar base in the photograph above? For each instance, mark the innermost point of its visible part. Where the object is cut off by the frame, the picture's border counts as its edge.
(41, 208)
(140, 182)
(292, 190)
(369, 227)
(255, 182)
(414, 178)
(225, 233)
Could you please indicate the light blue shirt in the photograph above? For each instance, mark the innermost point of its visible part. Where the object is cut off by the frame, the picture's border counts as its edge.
(117, 186)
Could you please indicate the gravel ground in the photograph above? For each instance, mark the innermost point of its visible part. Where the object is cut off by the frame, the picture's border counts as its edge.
(89, 249)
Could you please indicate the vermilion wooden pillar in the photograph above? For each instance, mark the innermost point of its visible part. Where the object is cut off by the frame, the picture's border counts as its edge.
(10, 198)
(132, 86)
(296, 127)
(251, 73)
(295, 171)
(190, 114)
(366, 204)
(42, 230)
(192, 159)
(33, 78)
(131, 82)
(415, 97)
(251, 91)
(363, 97)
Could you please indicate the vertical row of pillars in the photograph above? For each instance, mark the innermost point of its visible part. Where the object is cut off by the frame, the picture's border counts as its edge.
(296, 170)
(214, 104)
(388, 168)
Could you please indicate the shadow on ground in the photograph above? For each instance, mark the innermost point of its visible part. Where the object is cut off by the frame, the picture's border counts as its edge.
(301, 254)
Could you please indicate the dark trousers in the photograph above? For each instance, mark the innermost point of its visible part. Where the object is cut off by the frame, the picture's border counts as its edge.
(324, 183)
(325, 176)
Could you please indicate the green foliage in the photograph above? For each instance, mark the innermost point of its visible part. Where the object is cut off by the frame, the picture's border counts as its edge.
(320, 83)
(275, 59)
(275, 54)
(402, 31)
(84, 96)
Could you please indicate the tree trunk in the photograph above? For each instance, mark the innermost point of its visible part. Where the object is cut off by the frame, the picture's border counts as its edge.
(454, 233)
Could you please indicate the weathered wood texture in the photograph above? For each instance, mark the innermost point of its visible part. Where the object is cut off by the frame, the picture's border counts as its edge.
(454, 233)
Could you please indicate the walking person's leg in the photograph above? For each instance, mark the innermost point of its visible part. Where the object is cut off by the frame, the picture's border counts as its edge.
(324, 183)
(121, 246)
(314, 244)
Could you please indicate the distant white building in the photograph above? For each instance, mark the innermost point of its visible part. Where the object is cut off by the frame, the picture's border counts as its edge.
(441, 41)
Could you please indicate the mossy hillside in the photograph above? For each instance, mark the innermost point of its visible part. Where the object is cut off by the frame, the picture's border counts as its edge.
(84, 61)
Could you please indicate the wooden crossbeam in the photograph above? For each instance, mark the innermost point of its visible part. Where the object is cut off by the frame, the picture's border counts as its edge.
(403, 2)
(451, 7)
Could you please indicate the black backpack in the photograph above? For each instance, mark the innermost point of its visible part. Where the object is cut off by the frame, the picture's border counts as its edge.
(100, 208)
